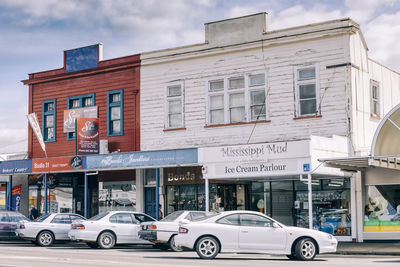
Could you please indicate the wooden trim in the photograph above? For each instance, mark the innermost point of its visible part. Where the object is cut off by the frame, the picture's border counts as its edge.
(308, 117)
(175, 129)
(237, 123)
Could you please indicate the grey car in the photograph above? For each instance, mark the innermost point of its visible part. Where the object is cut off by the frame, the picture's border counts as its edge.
(48, 228)
(8, 224)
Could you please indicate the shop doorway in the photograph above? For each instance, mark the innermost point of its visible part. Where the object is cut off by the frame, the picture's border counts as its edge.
(150, 201)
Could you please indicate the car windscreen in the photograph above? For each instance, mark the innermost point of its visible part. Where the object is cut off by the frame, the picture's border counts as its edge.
(99, 216)
(207, 216)
(42, 218)
(173, 216)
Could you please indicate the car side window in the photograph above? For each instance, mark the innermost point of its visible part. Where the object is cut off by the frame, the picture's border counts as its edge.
(196, 215)
(143, 218)
(62, 218)
(254, 220)
(16, 217)
(76, 218)
(3, 217)
(121, 218)
(230, 219)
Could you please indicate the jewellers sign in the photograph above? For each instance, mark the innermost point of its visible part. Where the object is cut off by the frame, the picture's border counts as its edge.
(256, 160)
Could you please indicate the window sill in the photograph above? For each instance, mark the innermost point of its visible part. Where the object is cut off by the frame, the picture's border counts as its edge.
(236, 123)
(308, 117)
(375, 117)
(174, 129)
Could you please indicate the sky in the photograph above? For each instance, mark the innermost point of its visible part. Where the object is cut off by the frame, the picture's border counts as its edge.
(34, 34)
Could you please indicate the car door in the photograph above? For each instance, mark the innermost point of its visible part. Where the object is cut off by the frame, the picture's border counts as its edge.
(60, 225)
(4, 226)
(227, 230)
(258, 233)
(124, 227)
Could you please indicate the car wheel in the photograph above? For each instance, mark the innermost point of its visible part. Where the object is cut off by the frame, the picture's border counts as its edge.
(106, 240)
(45, 239)
(306, 250)
(173, 246)
(207, 247)
(92, 244)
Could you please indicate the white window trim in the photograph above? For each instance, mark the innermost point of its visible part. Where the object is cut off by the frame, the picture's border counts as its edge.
(226, 92)
(297, 83)
(377, 84)
(167, 99)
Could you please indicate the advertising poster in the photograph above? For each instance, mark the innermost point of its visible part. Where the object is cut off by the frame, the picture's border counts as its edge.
(88, 138)
(16, 198)
(71, 114)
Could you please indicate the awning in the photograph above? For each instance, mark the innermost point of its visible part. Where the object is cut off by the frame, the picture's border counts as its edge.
(361, 163)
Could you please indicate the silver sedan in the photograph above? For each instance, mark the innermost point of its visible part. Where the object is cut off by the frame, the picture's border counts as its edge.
(48, 228)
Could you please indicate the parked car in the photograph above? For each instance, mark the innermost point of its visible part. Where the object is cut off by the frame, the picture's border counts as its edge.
(251, 232)
(8, 224)
(107, 229)
(47, 229)
(163, 232)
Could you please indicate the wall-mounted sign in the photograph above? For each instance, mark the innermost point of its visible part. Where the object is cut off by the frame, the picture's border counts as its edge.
(71, 114)
(88, 137)
(141, 159)
(16, 166)
(82, 58)
(183, 175)
(56, 164)
(256, 160)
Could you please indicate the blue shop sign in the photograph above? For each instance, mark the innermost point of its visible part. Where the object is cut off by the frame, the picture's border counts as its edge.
(16, 166)
(141, 159)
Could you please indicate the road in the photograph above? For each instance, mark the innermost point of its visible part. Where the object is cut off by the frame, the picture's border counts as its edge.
(24, 255)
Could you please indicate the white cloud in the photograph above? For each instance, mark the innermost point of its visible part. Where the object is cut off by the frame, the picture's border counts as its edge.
(363, 10)
(239, 11)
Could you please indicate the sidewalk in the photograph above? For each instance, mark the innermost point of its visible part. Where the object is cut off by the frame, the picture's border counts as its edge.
(369, 248)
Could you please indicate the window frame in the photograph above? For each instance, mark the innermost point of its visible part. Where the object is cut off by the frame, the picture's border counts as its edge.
(110, 105)
(47, 113)
(80, 98)
(226, 92)
(174, 98)
(298, 83)
(376, 84)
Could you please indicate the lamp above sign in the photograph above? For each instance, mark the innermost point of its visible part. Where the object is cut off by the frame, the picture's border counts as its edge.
(83, 58)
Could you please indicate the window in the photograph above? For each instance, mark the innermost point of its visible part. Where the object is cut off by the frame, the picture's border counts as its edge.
(16, 217)
(80, 101)
(375, 99)
(62, 218)
(121, 218)
(236, 99)
(306, 91)
(115, 113)
(230, 219)
(174, 106)
(254, 220)
(75, 218)
(3, 217)
(143, 218)
(49, 120)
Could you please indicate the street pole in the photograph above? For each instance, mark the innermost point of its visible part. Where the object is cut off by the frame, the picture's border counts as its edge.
(86, 196)
(45, 193)
(207, 196)
(157, 193)
(310, 212)
(10, 192)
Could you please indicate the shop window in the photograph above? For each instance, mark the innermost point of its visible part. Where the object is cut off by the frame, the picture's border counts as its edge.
(375, 98)
(306, 80)
(174, 106)
(382, 208)
(124, 218)
(49, 120)
(80, 101)
(150, 177)
(117, 195)
(115, 120)
(237, 99)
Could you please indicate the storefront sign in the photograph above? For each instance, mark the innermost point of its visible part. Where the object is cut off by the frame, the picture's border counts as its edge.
(256, 160)
(183, 175)
(88, 137)
(16, 166)
(57, 164)
(141, 159)
(16, 198)
(71, 114)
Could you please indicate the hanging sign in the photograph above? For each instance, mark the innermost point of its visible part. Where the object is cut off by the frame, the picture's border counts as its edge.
(88, 137)
(71, 114)
(34, 123)
(16, 198)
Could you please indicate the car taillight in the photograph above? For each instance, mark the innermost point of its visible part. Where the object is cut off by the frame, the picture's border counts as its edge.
(77, 226)
(183, 230)
(22, 226)
(153, 227)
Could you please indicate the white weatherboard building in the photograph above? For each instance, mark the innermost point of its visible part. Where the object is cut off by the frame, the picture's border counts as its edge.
(261, 107)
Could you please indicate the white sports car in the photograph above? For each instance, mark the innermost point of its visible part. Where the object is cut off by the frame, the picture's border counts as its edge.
(48, 228)
(107, 229)
(163, 232)
(251, 232)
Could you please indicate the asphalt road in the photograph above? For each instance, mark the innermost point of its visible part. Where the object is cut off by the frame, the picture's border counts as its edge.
(24, 255)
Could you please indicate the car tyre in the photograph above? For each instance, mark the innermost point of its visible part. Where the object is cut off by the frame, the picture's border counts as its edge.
(106, 240)
(173, 246)
(92, 244)
(45, 239)
(306, 249)
(291, 257)
(207, 247)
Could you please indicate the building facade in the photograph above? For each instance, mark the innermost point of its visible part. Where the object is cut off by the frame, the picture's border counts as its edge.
(250, 99)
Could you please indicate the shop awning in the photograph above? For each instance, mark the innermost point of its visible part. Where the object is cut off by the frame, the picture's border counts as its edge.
(361, 163)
